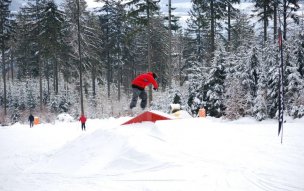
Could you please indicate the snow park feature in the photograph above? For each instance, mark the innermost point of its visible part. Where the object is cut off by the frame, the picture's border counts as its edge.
(167, 155)
(149, 116)
(153, 115)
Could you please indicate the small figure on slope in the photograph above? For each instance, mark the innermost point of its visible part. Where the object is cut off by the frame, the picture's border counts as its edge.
(31, 119)
(83, 120)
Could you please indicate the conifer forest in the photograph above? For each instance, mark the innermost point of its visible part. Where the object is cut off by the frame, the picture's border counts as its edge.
(60, 57)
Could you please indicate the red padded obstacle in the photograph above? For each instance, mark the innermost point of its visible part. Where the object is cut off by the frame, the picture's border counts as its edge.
(146, 116)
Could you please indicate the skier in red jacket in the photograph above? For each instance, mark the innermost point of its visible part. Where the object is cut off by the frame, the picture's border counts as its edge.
(83, 120)
(138, 88)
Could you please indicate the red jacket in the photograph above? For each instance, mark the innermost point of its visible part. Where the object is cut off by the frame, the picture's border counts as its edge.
(144, 80)
(83, 119)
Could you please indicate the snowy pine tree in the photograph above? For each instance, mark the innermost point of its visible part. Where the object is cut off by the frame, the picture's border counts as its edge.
(5, 35)
(173, 95)
(247, 71)
(270, 61)
(294, 81)
(196, 82)
(234, 101)
(260, 102)
(51, 38)
(31, 99)
(295, 78)
(22, 97)
(214, 85)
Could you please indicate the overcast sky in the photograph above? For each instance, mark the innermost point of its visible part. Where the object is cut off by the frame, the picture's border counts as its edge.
(182, 7)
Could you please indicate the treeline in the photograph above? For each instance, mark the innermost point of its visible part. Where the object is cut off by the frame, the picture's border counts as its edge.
(235, 72)
(52, 55)
(83, 49)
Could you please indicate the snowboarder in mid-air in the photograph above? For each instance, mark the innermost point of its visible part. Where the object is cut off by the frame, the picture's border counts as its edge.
(138, 87)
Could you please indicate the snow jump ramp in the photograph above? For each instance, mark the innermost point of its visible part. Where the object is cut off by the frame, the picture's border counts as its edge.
(149, 116)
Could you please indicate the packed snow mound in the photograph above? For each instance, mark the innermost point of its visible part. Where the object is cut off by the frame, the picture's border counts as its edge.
(101, 152)
(64, 117)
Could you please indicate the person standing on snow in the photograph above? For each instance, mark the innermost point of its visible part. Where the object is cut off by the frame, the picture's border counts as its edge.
(31, 119)
(138, 88)
(83, 120)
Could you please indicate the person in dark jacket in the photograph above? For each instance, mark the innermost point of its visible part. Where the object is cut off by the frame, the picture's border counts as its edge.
(138, 87)
(83, 120)
(31, 119)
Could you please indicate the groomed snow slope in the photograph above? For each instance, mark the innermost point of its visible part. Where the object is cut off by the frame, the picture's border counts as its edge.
(173, 155)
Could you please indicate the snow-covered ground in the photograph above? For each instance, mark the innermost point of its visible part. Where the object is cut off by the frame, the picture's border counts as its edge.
(174, 155)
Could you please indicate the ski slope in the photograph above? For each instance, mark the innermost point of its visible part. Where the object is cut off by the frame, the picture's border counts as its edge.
(172, 155)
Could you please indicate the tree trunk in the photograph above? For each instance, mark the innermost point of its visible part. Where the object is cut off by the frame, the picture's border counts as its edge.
(47, 76)
(48, 84)
(284, 19)
(108, 59)
(108, 74)
(229, 23)
(56, 75)
(119, 83)
(40, 82)
(199, 44)
(12, 66)
(149, 49)
(93, 80)
(265, 21)
(38, 57)
(80, 58)
(275, 21)
(180, 59)
(4, 80)
(212, 33)
(170, 48)
(120, 67)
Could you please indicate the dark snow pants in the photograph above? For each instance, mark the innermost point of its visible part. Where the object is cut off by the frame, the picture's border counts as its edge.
(142, 95)
(83, 126)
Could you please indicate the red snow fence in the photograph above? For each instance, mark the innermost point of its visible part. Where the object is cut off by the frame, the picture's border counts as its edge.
(148, 116)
